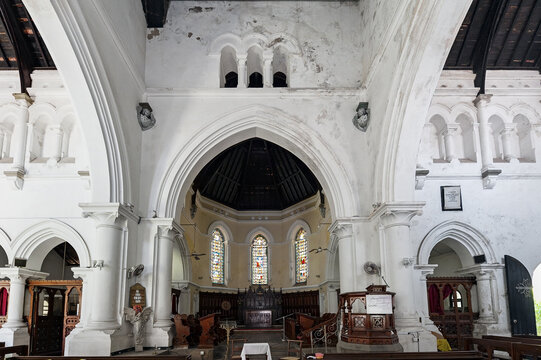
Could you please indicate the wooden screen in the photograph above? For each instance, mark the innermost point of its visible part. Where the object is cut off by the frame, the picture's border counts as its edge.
(306, 302)
(222, 303)
(450, 307)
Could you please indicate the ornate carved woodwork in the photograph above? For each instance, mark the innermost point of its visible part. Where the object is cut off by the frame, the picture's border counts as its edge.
(182, 329)
(212, 302)
(455, 316)
(53, 314)
(359, 325)
(257, 298)
(306, 302)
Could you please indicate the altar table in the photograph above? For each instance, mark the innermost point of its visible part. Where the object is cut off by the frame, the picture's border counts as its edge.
(255, 349)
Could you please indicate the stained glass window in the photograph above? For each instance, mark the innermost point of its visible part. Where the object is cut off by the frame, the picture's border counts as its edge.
(301, 257)
(217, 257)
(259, 260)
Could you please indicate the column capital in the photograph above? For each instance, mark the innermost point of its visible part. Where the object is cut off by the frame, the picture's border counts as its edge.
(399, 213)
(482, 100)
(22, 99)
(82, 272)
(242, 58)
(341, 229)
(17, 274)
(508, 128)
(450, 128)
(105, 213)
(425, 270)
(481, 271)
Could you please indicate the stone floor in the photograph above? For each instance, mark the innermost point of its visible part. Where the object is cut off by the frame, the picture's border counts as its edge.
(221, 352)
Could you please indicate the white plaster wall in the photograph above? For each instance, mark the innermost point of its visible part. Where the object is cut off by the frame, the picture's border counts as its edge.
(327, 33)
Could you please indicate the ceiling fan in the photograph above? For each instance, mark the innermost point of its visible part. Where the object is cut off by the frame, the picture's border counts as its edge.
(319, 249)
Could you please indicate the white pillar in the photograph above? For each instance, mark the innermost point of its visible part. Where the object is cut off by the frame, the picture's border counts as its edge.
(85, 274)
(332, 297)
(481, 103)
(53, 146)
(110, 227)
(342, 232)
(509, 142)
(425, 270)
(267, 70)
(449, 137)
(241, 65)
(18, 139)
(399, 257)
(164, 249)
(2, 137)
(15, 330)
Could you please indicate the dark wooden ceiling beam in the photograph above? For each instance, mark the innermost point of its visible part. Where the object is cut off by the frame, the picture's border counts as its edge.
(155, 12)
(525, 42)
(483, 47)
(460, 59)
(510, 34)
(16, 36)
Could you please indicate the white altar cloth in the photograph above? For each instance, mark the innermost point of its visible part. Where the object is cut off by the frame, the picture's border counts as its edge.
(255, 349)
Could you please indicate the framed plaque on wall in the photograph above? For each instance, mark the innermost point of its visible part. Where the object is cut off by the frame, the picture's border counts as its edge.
(451, 198)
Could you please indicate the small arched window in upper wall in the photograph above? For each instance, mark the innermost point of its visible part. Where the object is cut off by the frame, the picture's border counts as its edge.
(279, 79)
(301, 257)
(256, 80)
(231, 80)
(217, 257)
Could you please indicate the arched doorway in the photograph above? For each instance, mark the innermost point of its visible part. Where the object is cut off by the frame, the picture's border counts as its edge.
(55, 302)
(452, 296)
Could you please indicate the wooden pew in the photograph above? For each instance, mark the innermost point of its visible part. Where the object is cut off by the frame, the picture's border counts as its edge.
(488, 346)
(520, 350)
(182, 329)
(534, 340)
(451, 355)
(134, 357)
(207, 324)
(19, 350)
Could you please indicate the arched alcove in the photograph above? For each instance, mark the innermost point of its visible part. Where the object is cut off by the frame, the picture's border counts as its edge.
(496, 127)
(280, 67)
(526, 148)
(255, 67)
(436, 144)
(228, 67)
(467, 138)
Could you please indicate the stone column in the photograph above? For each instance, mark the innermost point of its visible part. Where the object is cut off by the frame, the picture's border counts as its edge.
(449, 137)
(332, 297)
(15, 330)
(509, 142)
(18, 141)
(164, 249)
(54, 145)
(342, 232)
(241, 66)
(84, 274)
(2, 137)
(481, 103)
(106, 255)
(399, 258)
(424, 271)
(267, 70)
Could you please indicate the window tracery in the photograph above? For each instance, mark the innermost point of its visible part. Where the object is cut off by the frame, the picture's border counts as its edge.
(259, 261)
(301, 257)
(217, 263)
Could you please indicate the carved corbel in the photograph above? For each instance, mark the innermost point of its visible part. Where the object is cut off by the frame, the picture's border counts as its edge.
(489, 177)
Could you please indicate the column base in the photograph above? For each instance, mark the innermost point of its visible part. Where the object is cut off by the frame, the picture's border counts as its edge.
(159, 337)
(15, 336)
(345, 347)
(416, 338)
(85, 342)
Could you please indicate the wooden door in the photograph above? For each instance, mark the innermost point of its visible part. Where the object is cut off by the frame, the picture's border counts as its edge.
(520, 297)
(47, 319)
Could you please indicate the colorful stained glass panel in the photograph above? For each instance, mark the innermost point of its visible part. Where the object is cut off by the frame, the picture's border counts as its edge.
(217, 258)
(301, 257)
(259, 260)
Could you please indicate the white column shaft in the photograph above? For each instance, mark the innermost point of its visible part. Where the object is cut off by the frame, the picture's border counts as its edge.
(108, 248)
(508, 144)
(164, 269)
(2, 136)
(449, 140)
(267, 73)
(241, 64)
(484, 296)
(18, 140)
(52, 147)
(16, 304)
(481, 103)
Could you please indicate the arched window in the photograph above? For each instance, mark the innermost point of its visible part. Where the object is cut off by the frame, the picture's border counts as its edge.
(217, 263)
(301, 257)
(231, 80)
(256, 80)
(259, 252)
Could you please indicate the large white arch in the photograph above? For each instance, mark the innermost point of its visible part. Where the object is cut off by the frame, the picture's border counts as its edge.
(38, 240)
(5, 243)
(466, 235)
(267, 123)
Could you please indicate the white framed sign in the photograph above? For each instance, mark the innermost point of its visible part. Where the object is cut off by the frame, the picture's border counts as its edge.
(379, 304)
(451, 198)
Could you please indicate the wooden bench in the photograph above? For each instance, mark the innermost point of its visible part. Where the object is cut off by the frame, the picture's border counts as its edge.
(451, 355)
(488, 346)
(19, 350)
(135, 357)
(520, 350)
(534, 340)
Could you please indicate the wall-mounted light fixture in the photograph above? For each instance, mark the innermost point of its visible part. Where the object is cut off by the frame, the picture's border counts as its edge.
(97, 264)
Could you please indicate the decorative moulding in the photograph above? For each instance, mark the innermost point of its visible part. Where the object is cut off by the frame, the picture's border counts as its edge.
(420, 178)
(489, 177)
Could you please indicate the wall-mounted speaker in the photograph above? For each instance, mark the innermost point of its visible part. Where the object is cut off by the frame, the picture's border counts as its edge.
(20, 262)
